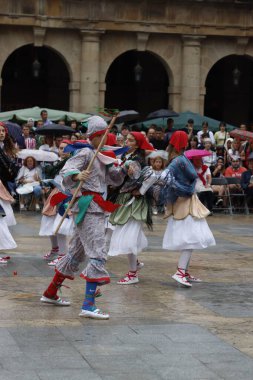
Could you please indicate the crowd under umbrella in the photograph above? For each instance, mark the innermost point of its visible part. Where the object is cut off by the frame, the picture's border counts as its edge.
(126, 116)
(55, 130)
(161, 114)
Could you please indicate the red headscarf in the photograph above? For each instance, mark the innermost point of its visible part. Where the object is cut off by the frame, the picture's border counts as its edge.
(142, 141)
(179, 140)
(111, 139)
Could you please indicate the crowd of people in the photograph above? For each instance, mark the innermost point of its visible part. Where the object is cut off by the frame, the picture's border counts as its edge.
(135, 175)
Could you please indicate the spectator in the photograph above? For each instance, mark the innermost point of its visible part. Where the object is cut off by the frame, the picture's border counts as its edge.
(44, 117)
(49, 145)
(151, 132)
(61, 122)
(30, 142)
(207, 132)
(222, 135)
(235, 149)
(247, 149)
(39, 124)
(235, 170)
(210, 161)
(30, 123)
(243, 127)
(169, 131)
(203, 184)
(219, 171)
(120, 139)
(57, 141)
(125, 131)
(193, 143)
(73, 125)
(158, 141)
(31, 174)
(189, 129)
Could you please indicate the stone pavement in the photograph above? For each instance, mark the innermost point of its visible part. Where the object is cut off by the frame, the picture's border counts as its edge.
(157, 330)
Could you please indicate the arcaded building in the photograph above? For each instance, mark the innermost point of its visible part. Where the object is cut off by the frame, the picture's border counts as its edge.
(144, 55)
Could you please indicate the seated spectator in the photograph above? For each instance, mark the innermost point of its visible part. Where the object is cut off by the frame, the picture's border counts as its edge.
(210, 161)
(218, 171)
(158, 141)
(221, 152)
(28, 176)
(203, 184)
(30, 142)
(235, 170)
(247, 179)
(189, 129)
(169, 130)
(247, 149)
(227, 146)
(73, 125)
(221, 135)
(206, 131)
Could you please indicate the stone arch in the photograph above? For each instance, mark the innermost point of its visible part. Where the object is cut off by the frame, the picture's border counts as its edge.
(125, 91)
(229, 89)
(24, 86)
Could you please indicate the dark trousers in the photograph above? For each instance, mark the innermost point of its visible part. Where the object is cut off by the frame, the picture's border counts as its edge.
(206, 197)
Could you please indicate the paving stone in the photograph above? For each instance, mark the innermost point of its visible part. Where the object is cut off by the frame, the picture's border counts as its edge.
(24, 375)
(60, 374)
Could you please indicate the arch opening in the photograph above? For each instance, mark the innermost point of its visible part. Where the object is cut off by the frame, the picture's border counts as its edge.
(137, 80)
(34, 76)
(229, 90)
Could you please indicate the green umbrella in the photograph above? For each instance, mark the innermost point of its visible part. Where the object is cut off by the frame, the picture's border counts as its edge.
(181, 121)
(34, 113)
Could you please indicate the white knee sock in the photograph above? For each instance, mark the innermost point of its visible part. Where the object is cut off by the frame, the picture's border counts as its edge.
(62, 242)
(132, 260)
(184, 259)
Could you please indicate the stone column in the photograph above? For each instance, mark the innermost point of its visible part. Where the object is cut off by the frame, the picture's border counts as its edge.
(90, 66)
(174, 98)
(74, 95)
(190, 95)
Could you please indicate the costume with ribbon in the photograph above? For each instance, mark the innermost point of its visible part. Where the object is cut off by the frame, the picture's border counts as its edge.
(128, 236)
(7, 219)
(88, 239)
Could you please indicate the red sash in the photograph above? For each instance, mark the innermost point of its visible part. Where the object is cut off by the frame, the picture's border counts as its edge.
(201, 175)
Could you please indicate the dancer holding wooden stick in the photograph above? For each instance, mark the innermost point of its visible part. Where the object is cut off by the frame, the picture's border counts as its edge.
(88, 240)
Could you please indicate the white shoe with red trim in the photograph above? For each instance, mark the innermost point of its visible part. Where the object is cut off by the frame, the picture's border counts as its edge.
(55, 261)
(191, 278)
(129, 279)
(51, 254)
(180, 277)
(58, 301)
(94, 314)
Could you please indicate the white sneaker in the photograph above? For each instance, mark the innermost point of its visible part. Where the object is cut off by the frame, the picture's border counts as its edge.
(95, 314)
(21, 207)
(129, 279)
(191, 278)
(180, 277)
(37, 207)
(55, 261)
(57, 302)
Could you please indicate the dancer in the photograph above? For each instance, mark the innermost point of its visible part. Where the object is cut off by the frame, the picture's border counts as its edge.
(88, 239)
(128, 237)
(187, 228)
(158, 160)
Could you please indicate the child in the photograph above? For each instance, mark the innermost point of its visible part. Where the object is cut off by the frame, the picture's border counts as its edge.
(158, 161)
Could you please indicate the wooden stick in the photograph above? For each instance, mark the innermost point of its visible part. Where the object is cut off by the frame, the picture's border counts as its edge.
(88, 169)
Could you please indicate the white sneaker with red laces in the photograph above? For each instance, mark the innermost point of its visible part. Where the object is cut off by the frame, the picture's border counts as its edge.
(181, 278)
(191, 278)
(57, 301)
(129, 279)
(55, 261)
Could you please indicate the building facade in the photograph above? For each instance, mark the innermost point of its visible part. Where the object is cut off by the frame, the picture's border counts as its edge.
(84, 54)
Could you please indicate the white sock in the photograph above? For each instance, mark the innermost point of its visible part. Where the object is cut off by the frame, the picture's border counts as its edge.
(184, 259)
(132, 260)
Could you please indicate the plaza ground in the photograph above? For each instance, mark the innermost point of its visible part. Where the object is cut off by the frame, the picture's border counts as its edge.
(157, 329)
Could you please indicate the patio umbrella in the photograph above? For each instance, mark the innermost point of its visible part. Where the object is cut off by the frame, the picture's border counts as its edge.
(34, 113)
(55, 130)
(242, 135)
(15, 132)
(126, 116)
(161, 114)
(39, 155)
(197, 153)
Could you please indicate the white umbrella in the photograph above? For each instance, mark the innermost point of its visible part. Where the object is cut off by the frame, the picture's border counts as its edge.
(39, 155)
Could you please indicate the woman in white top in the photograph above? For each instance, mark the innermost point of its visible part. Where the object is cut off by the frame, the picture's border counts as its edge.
(29, 177)
(222, 135)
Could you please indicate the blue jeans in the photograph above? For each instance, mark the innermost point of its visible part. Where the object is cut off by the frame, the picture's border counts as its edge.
(37, 191)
